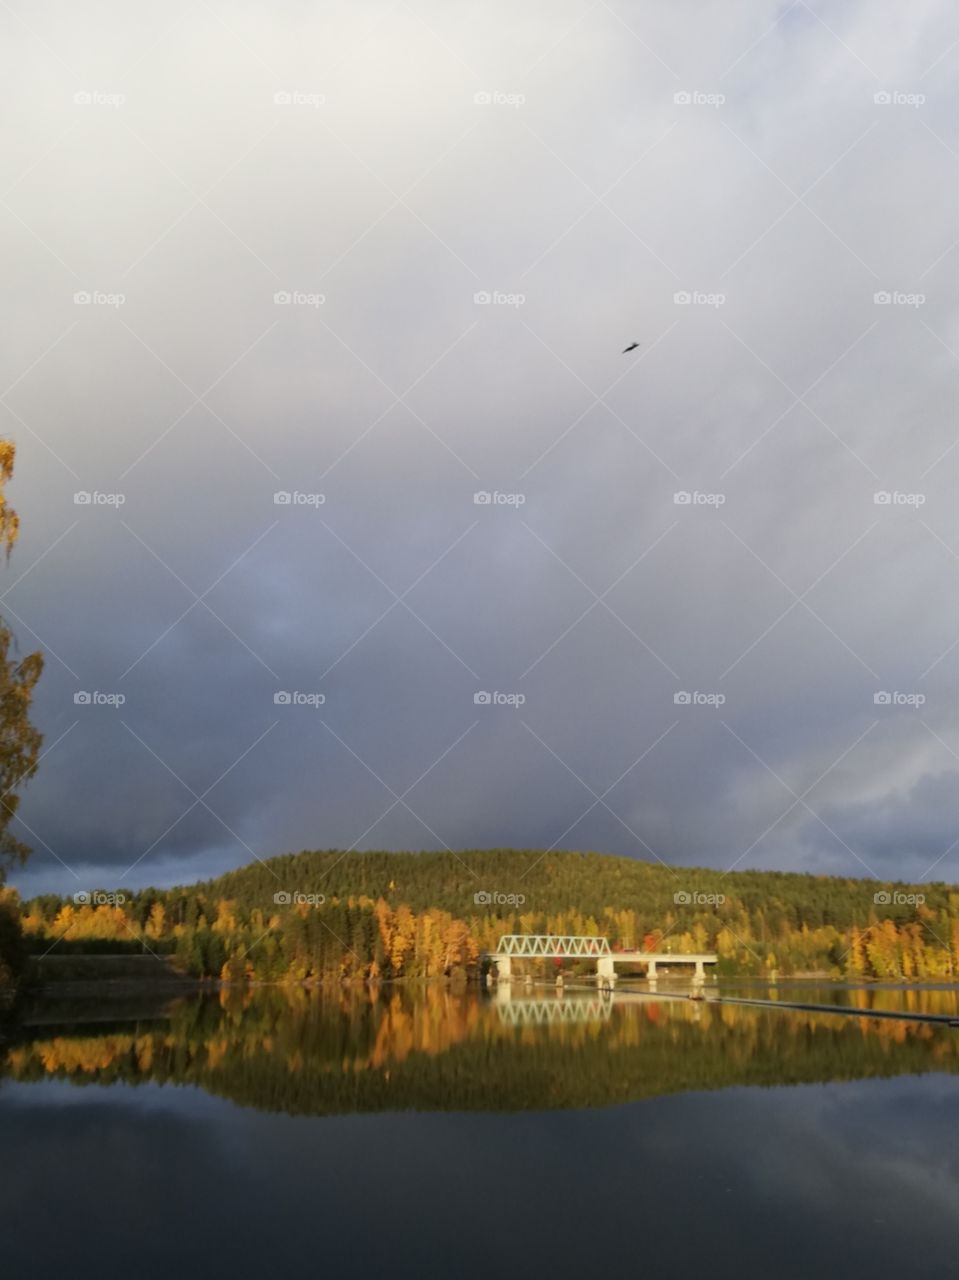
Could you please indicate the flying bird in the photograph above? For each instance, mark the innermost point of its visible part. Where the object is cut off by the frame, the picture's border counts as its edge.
(632, 347)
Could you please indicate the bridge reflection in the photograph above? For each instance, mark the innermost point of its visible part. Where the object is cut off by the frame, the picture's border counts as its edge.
(546, 1010)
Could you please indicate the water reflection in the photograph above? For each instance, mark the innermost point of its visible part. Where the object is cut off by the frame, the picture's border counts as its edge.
(527, 1010)
(310, 1052)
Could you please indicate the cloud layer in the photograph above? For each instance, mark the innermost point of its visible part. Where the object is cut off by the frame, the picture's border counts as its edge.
(390, 255)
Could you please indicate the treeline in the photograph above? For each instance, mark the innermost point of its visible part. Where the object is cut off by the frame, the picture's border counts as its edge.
(331, 916)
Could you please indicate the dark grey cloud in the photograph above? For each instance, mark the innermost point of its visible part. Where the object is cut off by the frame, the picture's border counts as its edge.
(627, 154)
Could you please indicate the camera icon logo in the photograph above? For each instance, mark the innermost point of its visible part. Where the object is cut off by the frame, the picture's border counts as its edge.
(282, 298)
(682, 899)
(482, 698)
(483, 98)
(282, 898)
(882, 298)
(282, 498)
(82, 298)
(483, 898)
(482, 498)
(882, 98)
(882, 698)
(682, 98)
(282, 698)
(683, 298)
(81, 698)
(883, 498)
(82, 898)
(282, 98)
(681, 698)
(682, 498)
(82, 498)
(482, 299)
(882, 898)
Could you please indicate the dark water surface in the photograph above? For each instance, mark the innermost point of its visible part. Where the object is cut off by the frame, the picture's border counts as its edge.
(434, 1134)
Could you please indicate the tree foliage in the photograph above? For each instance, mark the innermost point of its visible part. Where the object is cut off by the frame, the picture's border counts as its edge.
(426, 915)
(20, 741)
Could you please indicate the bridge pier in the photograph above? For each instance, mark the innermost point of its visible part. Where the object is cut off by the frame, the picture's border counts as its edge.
(651, 970)
(504, 968)
(606, 971)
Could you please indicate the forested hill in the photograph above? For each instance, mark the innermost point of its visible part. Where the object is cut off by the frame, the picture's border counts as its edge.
(585, 883)
(330, 914)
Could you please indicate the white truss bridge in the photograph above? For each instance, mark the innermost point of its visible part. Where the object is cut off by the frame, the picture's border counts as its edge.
(558, 946)
(550, 944)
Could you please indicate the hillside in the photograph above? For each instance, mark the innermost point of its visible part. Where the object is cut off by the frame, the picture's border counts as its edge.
(328, 914)
(587, 883)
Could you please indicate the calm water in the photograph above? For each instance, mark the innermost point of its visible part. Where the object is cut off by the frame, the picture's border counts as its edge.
(439, 1134)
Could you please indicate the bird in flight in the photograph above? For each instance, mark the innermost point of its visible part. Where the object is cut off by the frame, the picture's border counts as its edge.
(632, 347)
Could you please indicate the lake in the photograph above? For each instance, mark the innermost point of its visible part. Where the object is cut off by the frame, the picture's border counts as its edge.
(428, 1132)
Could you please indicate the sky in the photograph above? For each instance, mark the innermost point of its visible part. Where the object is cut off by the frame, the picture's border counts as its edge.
(348, 523)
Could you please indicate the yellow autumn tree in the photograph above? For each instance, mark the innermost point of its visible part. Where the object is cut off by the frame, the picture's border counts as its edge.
(156, 921)
(20, 742)
(403, 938)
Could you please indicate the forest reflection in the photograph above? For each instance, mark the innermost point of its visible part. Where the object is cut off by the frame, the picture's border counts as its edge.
(356, 1049)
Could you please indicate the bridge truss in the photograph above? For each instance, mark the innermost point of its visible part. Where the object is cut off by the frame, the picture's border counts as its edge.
(551, 944)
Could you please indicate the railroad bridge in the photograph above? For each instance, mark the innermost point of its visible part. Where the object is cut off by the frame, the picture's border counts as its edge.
(521, 946)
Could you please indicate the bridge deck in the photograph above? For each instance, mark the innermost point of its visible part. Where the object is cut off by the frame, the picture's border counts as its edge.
(662, 957)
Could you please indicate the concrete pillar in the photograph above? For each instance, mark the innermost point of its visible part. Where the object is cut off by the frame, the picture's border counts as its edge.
(605, 971)
(503, 968)
(651, 970)
(700, 972)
